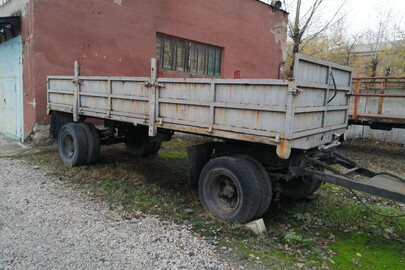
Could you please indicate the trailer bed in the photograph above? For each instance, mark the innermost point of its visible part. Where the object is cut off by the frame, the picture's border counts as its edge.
(377, 102)
(304, 113)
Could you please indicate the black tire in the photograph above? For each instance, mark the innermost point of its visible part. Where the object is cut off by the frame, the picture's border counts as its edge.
(155, 147)
(299, 187)
(138, 145)
(93, 142)
(266, 188)
(228, 188)
(72, 144)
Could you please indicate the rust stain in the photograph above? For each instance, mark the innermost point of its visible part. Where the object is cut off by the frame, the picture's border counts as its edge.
(221, 115)
(221, 133)
(257, 117)
(177, 108)
(381, 99)
(284, 149)
(356, 99)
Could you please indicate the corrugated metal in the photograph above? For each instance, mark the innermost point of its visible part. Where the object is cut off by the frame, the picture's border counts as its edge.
(266, 111)
(10, 89)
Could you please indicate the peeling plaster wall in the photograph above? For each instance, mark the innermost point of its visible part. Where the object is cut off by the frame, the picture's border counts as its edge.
(118, 38)
(14, 7)
(280, 31)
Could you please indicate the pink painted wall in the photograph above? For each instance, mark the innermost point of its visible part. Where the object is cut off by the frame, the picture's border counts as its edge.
(118, 38)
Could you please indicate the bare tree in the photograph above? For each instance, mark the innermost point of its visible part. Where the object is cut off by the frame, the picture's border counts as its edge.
(385, 43)
(305, 20)
(342, 44)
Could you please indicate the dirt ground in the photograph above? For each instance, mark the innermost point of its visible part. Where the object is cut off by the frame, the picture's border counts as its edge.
(158, 185)
(376, 156)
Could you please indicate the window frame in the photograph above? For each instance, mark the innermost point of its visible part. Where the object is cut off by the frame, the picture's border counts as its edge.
(182, 55)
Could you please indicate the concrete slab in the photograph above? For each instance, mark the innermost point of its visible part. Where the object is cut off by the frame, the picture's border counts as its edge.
(257, 226)
(10, 148)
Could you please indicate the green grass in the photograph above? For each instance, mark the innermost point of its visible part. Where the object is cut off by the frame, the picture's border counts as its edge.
(364, 251)
(174, 155)
(301, 234)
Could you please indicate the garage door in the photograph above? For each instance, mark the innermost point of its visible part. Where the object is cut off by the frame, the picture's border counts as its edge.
(11, 121)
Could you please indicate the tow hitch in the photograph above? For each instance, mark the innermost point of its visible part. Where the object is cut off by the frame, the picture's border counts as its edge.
(355, 177)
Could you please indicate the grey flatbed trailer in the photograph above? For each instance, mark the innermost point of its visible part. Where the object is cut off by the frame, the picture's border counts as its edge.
(271, 131)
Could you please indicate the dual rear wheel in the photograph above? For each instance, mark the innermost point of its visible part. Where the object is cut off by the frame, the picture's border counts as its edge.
(78, 144)
(138, 143)
(235, 188)
(239, 189)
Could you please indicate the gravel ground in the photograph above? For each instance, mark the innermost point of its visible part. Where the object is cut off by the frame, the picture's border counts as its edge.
(45, 224)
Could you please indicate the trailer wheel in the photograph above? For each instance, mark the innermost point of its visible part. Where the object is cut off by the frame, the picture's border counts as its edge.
(155, 147)
(299, 187)
(229, 189)
(265, 185)
(72, 144)
(138, 145)
(93, 142)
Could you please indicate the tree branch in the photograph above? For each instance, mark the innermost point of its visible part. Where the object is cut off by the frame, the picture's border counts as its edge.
(326, 26)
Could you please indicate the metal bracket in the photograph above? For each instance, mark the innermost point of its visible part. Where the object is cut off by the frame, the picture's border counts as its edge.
(77, 82)
(296, 91)
(276, 139)
(153, 84)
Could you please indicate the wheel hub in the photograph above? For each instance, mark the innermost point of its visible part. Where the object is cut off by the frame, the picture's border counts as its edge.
(69, 145)
(228, 190)
(225, 195)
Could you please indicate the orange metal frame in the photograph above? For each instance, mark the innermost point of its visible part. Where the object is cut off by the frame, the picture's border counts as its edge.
(360, 83)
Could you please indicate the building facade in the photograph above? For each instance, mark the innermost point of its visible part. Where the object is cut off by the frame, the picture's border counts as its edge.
(210, 38)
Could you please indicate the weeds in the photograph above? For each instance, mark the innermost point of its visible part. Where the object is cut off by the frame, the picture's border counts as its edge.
(293, 238)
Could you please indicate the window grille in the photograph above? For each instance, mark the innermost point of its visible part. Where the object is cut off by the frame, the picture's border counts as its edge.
(183, 55)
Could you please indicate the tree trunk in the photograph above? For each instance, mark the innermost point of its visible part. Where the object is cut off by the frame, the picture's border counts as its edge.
(296, 37)
(374, 64)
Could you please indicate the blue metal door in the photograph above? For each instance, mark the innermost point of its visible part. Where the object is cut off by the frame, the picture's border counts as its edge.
(11, 112)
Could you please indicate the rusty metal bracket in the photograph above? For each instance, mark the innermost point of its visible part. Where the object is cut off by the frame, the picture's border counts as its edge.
(77, 83)
(296, 91)
(153, 84)
(283, 149)
(276, 138)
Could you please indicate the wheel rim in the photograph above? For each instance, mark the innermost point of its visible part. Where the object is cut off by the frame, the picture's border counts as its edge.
(68, 145)
(224, 194)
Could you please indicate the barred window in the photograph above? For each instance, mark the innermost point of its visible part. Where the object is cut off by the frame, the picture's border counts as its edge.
(183, 55)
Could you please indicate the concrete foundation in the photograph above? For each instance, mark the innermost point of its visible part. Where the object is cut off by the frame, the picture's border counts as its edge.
(364, 132)
(40, 134)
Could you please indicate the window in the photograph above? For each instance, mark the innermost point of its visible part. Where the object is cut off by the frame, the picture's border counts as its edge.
(188, 56)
